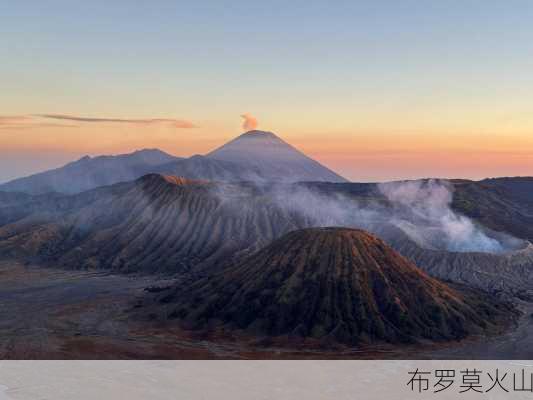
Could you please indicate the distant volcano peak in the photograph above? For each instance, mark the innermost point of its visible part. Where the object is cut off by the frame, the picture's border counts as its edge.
(259, 134)
(275, 159)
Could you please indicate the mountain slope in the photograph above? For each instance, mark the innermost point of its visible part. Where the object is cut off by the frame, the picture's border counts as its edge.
(275, 159)
(510, 273)
(502, 204)
(88, 173)
(201, 167)
(158, 224)
(332, 283)
(155, 224)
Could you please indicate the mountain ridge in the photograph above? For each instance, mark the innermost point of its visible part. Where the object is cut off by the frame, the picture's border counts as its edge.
(126, 226)
(283, 163)
(90, 172)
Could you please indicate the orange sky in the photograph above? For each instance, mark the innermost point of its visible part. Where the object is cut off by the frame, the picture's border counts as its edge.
(361, 154)
(375, 90)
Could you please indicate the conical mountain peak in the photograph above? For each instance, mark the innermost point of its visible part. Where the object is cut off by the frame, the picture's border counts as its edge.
(258, 134)
(276, 159)
(337, 284)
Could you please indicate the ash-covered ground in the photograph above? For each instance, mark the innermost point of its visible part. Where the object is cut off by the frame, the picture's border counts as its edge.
(55, 314)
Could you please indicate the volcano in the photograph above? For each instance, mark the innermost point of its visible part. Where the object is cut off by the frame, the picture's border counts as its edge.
(275, 159)
(164, 224)
(156, 224)
(337, 284)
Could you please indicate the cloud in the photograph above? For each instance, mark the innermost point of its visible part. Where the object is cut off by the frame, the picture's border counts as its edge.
(25, 122)
(176, 123)
(250, 122)
(35, 121)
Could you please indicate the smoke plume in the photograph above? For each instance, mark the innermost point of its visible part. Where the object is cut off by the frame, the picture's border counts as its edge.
(419, 210)
(250, 122)
(422, 209)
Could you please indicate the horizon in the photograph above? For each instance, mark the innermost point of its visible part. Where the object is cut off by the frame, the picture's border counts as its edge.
(239, 135)
(376, 91)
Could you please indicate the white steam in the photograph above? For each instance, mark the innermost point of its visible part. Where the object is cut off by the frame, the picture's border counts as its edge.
(420, 209)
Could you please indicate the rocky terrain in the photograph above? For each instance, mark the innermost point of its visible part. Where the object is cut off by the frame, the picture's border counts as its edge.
(509, 273)
(49, 313)
(162, 224)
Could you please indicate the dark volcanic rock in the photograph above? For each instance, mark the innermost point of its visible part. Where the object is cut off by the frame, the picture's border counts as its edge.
(336, 284)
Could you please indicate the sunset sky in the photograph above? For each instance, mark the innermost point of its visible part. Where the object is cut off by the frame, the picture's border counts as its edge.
(376, 90)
